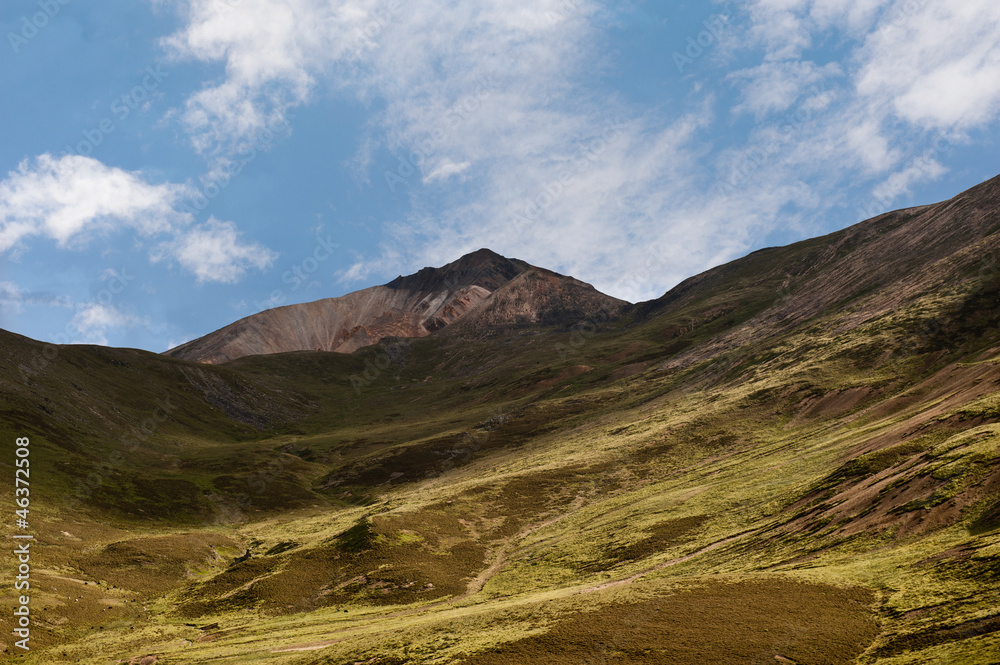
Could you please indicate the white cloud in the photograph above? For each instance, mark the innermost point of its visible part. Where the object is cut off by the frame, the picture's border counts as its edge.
(11, 297)
(936, 65)
(867, 142)
(363, 269)
(174, 343)
(214, 252)
(856, 16)
(72, 198)
(588, 208)
(914, 72)
(787, 28)
(356, 272)
(445, 170)
(775, 86)
(93, 321)
(484, 91)
(272, 51)
(949, 76)
(920, 170)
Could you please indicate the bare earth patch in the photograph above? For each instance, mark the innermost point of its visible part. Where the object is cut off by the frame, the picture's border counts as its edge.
(742, 622)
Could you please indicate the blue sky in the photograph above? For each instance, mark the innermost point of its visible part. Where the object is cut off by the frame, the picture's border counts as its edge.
(170, 166)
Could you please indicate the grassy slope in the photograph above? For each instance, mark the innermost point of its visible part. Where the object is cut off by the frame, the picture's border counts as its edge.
(560, 483)
(611, 492)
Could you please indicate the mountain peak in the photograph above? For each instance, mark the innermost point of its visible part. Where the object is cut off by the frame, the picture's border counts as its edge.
(484, 268)
(409, 306)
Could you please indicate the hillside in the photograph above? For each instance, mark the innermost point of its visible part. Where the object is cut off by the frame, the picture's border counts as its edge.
(871, 269)
(792, 458)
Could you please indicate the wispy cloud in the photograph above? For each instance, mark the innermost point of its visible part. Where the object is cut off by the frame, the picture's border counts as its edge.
(272, 50)
(950, 74)
(13, 298)
(485, 92)
(500, 97)
(775, 86)
(915, 71)
(94, 321)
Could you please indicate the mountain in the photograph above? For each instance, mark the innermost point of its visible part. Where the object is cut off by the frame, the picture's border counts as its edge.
(540, 297)
(791, 458)
(500, 291)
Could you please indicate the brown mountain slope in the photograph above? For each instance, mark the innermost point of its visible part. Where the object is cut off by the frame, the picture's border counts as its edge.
(863, 272)
(541, 297)
(499, 291)
(411, 306)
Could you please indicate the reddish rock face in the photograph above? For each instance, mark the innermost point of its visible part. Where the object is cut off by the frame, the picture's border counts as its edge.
(483, 287)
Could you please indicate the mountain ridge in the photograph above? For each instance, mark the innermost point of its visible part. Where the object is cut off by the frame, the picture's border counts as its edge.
(874, 266)
(409, 306)
(485, 290)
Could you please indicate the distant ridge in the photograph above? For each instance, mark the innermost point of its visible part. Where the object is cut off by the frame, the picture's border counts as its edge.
(409, 306)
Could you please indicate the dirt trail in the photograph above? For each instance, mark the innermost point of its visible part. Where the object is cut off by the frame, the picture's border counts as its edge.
(498, 560)
(502, 555)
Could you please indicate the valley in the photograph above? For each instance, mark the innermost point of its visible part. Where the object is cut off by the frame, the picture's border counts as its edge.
(792, 458)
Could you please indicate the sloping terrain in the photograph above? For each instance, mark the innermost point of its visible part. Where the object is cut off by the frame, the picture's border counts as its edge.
(412, 306)
(792, 458)
(876, 267)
